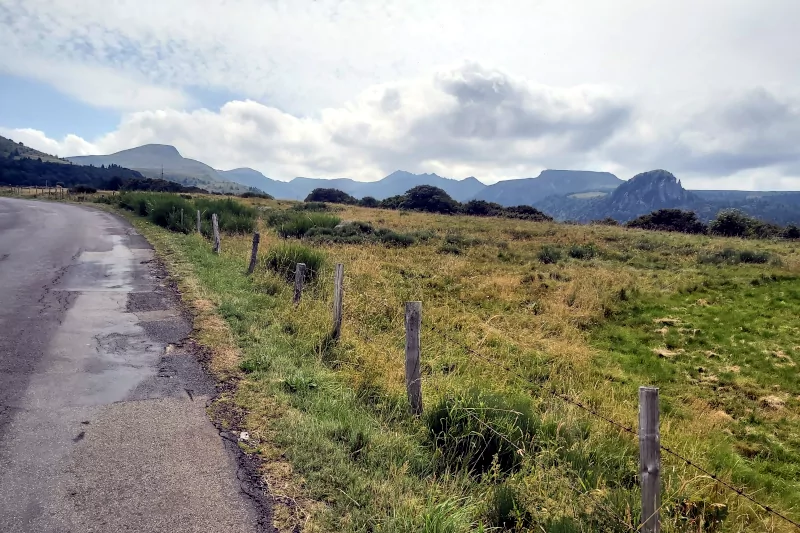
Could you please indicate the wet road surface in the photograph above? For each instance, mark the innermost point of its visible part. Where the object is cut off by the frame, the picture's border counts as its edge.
(102, 413)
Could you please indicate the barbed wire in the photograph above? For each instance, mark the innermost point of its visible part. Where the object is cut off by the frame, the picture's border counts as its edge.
(599, 503)
(622, 427)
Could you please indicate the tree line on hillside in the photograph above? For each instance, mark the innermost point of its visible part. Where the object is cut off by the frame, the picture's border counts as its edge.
(27, 172)
(431, 200)
(727, 223)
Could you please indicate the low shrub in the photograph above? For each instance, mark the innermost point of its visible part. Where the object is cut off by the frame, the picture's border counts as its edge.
(549, 255)
(233, 216)
(311, 206)
(298, 224)
(734, 257)
(585, 251)
(284, 257)
(368, 201)
(82, 189)
(393, 238)
(526, 212)
(256, 194)
(448, 248)
(475, 431)
(669, 220)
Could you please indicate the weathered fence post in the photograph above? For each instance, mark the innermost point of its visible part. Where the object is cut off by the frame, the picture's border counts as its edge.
(413, 380)
(215, 227)
(649, 459)
(299, 277)
(254, 253)
(338, 287)
(198, 221)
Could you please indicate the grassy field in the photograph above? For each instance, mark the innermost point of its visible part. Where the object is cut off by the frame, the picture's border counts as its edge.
(512, 312)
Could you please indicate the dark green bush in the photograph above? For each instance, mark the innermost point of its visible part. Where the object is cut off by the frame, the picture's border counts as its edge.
(549, 255)
(256, 194)
(734, 257)
(732, 223)
(311, 206)
(393, 202)
(297, 224)
(83, 189)
(430, 199)
(474, 431)
(791, 232)
(284, 257)
(669, 220)
(482, 208)
(368, 201)
(585, 251)
(334, 196)
(526, 212)
(393, 238)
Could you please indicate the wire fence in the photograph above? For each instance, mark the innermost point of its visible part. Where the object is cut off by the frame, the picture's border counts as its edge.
(620, 426)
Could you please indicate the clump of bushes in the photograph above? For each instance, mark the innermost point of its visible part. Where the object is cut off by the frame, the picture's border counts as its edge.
(733, 257)
(585, 251)
(284, 257)
(83, 189)
(669, 220)
(358, 233)
(311, 206)
(256, 194)
(734, 223)
(549, 255)
(176, 213)
(334, 196)
(297, 224)
(474, 431)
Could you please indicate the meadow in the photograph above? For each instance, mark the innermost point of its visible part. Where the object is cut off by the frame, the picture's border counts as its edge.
(517, 316)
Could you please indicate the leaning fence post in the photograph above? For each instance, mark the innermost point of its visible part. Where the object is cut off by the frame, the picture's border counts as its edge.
(215, 227)
(254, 253)
(413, 380)
(299, 277)
(338, 287)
(198, 221)
(649, 459)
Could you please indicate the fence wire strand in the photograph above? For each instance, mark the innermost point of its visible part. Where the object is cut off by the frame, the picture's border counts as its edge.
(618, 425)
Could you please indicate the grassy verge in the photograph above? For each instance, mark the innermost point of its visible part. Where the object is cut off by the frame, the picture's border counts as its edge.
(592, 312)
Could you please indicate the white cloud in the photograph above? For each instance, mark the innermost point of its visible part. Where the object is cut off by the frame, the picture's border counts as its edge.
(467, 120)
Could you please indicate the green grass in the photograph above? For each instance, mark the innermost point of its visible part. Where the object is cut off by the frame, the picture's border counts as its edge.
(591, 311)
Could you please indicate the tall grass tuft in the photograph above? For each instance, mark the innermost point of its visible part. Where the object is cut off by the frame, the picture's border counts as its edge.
(284, 257)
(292, 224)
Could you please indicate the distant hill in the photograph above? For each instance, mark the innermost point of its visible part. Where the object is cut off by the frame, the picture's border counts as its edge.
(15, 150)
(395, 183)
(153, 159)
(528, 191)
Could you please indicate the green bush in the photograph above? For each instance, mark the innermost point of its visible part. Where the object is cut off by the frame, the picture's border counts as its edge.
(297, 224)
(330, 195)
(284, 257)
(585, 251)
(392, 238)
(734, 257)
(163, 209)
(549, 255)
(256, 194)
(669, 220)
(311, 206)
(475, 431)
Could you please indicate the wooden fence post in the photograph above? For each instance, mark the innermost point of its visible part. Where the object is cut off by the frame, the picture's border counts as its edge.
(254, 253)
(413, 380)
(338, 288)
(198, 221)
(649, 459)
(215, 227)
(299, 278)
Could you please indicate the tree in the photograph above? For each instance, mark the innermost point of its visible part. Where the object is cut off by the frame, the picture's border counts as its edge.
(527, 212)
(368, 201)
(431, 199)
(393, 202)
(669, 220)
(334, 196)
(731, 223)
(482, 208)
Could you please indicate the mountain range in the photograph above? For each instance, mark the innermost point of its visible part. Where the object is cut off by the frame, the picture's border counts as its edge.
(563, 194)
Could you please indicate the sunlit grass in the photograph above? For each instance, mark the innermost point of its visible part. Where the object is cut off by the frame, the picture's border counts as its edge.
(612, 310)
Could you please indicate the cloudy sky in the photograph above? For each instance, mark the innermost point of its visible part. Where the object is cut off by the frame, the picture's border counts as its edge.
(709, 90)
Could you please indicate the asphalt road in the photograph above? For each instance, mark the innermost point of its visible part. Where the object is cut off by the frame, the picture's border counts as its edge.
(102, 412)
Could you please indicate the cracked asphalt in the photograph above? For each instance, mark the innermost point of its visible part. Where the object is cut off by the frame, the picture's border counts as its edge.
(103, 425)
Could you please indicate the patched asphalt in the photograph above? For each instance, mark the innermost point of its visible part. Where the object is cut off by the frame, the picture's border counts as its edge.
(103, 423)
